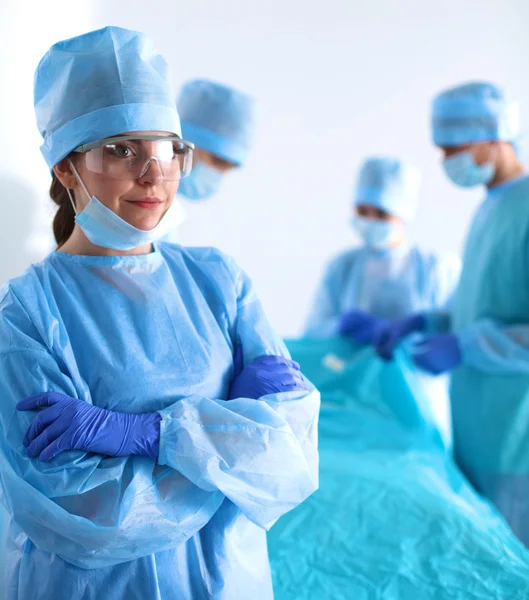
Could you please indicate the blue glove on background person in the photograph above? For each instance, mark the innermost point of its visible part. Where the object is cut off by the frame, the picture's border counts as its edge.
(395, 331)
(361, 326)
(438, 353)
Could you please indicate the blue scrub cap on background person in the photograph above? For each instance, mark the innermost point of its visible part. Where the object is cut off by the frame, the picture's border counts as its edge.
(103, 83)
(218, 119)
(390, 185)
(474, 112)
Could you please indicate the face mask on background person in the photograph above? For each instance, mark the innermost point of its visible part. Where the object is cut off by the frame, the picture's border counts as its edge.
(202, 183)
(462, 170)
(378, 235)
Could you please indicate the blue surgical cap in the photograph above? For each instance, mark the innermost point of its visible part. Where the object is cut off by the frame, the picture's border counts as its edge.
(390, 185)
(100, 84)
(474, 112)
(217, 118)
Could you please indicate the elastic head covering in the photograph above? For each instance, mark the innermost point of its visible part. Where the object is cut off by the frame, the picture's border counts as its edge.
(474, 112)
(390, 185)
(100, 84)
(218, 119)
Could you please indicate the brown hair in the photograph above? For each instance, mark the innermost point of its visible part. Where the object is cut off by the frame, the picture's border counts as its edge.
(64, 220)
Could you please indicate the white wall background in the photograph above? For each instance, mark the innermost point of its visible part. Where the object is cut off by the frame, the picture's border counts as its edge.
(337, 80)
(27, 30)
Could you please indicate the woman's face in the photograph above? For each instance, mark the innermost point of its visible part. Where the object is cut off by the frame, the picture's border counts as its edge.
(376, 214)
(140, 202)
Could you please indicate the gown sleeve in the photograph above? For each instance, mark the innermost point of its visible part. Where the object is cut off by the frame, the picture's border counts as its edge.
(493, 348)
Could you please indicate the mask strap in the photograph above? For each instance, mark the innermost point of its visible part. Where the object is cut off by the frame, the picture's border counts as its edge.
(78, 177)
(71, 200)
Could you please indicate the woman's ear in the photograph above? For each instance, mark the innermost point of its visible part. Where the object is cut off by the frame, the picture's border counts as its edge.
(64, 173)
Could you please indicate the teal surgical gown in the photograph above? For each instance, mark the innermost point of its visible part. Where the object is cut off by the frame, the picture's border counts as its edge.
(490, 391)
(137, 334)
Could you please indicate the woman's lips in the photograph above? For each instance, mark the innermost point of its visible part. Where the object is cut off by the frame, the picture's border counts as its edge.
(147, 202)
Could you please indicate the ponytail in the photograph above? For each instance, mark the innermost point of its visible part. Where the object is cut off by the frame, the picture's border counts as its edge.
(64, 220)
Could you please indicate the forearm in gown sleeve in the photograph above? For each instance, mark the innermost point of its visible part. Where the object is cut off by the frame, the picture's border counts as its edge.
(262, 454)
(500, 350)
(91, 510)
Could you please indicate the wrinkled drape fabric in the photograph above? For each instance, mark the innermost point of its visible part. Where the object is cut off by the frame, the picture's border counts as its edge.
(394, 517)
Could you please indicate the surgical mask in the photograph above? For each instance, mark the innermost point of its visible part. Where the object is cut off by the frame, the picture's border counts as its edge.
(378, 235)
(103, 227)
(462, 170)
(203, 182)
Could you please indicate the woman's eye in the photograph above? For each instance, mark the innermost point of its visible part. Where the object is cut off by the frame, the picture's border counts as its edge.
(120, 150)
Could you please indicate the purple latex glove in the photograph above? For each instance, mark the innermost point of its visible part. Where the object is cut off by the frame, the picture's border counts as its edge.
(438, 353)
(395, 331)
(361, 326)
(238, 361)
(268, 375)
(71, 424)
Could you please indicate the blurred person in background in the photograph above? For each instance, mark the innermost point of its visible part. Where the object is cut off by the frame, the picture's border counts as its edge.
(220, 121)
(485, 341)
(366, 288)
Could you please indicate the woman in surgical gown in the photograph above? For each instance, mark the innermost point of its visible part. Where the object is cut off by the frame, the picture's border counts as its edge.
(139, 459)
(385, 279)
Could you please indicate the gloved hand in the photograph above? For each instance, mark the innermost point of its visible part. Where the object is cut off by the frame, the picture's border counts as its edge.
(268, 375)
(361, 326)
(438, 353)
(71, 424)
(395, 331)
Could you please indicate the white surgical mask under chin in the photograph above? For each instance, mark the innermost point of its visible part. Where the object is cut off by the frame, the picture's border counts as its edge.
(202, 183)
(462, 170)
(377, 235)
(103, 227)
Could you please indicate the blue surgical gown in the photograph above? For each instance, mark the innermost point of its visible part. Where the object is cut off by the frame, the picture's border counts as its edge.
(137, 334)
(490, 391)
(389, 284)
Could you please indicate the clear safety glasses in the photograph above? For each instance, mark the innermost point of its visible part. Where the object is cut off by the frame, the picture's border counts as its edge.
(130, 157)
